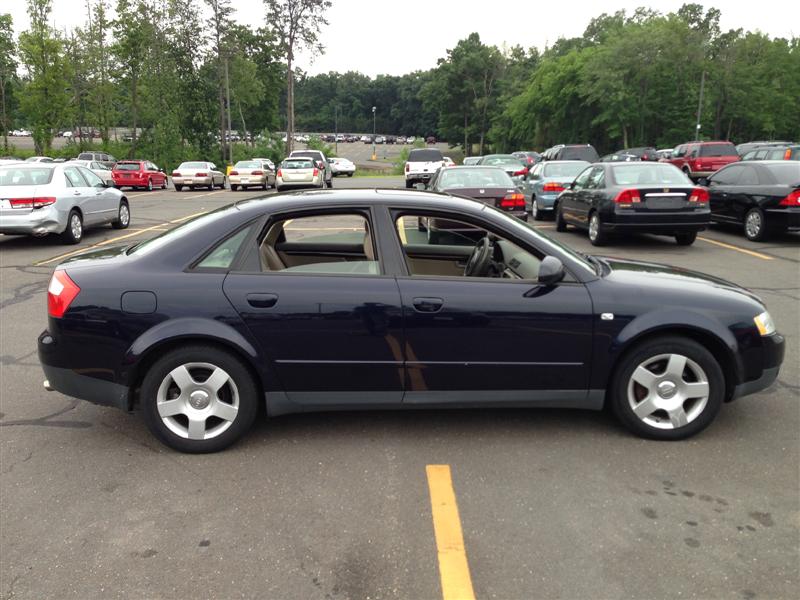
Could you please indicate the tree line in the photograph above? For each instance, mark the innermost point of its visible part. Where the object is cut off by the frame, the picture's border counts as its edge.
(180, 73)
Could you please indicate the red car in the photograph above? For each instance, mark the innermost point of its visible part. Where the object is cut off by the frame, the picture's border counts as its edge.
(701, 159)
(138, 174)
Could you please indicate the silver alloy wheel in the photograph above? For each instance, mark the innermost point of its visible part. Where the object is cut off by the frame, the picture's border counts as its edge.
(76, 226)
(534, 209)
(668, 391)
(594, 227)
(124, 214)
(197, 401)
(149, 185)
(753, 224)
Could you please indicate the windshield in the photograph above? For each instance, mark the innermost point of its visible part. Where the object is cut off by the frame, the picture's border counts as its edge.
(193, 165)
(126, 167)
(718, 150)
(546, 242)
(564, 169)
(425, 155)
(649, 174)
(300, 163)
(25, 175)
(500, 160)
(787, 173)
(247, 164)
(475, 178)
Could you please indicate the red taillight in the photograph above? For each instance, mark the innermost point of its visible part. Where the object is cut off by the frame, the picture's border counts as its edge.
(522, 171)
(60, 294)
(279, 173)
(513, 201)
(788, 154)
(176, 174)
(316, 172)
(407, 168)
(552, 187)
(233, 173)
(792, 199)
(38, 202)
(201, 174)
(699, 195)
(255, 173)
(628, 197)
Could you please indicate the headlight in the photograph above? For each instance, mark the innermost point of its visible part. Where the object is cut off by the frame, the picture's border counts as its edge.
(765, 324)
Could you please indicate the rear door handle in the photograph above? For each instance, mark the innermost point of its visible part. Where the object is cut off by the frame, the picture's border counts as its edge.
(262, 300)
(428, 305)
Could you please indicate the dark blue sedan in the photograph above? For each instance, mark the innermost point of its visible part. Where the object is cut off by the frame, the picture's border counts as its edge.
(336, 300)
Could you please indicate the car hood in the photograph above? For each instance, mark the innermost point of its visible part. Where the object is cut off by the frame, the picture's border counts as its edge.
(655, 275)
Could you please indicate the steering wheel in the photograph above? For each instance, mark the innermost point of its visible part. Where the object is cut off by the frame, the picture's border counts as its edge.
(480, 259)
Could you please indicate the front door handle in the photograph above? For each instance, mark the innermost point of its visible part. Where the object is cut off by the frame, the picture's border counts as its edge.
(262, 300)
(428, 305)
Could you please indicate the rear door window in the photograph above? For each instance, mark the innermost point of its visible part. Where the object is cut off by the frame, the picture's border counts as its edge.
(74, 178)
(728, 176)
(749, 176)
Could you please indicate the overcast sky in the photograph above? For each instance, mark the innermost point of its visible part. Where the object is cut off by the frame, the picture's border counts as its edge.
(396, 37)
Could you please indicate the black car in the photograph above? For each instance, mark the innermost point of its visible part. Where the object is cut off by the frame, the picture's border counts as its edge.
(762, 196)
(773, 152)
(637, 197)
(241, 307)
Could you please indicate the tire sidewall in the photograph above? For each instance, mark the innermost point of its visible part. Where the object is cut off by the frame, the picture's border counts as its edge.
(248, 398)
(618, 390)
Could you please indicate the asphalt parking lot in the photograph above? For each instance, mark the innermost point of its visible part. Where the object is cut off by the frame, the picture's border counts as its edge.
(551, 503)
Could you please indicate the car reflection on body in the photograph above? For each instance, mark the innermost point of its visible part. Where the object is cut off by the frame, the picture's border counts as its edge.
(243, 306)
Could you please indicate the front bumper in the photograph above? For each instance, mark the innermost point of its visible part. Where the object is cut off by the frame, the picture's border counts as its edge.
(78, 385)
(772, 353)
(39, 221)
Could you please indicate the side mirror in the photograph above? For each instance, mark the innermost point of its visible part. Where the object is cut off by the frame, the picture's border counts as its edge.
(551, 271)
(572, 185)
(703, 181)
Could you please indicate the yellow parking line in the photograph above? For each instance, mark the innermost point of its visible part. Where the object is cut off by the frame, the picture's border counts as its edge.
(453, 566)
(202, 195)
(736, 248)
(159, 227)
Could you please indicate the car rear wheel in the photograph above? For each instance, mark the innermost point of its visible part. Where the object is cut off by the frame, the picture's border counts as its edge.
(198, 399)
(668, 388)
(149, 185)
(561, 224)
(164, 184)
(409, 184)
(73, 234)
(222, 185)
(234, 187)
(178, 187)
(535, 213)
(686, 239)
(755, 226)
(123, 216)
(597, 236)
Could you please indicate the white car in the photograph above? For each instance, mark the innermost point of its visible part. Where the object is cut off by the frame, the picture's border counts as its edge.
(299, 172)
(410, 139)
(38, 159)
(98, 168)
(194, 174)
(449, 162)
(267, 162)
(66, 134)
(366, 138)
(342, 166)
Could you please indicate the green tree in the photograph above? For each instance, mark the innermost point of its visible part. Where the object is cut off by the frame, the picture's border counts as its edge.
(44, 98)
(8, 71)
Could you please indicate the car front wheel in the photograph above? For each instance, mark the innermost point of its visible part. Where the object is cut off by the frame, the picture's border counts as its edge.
(198, 399)
(668, 388)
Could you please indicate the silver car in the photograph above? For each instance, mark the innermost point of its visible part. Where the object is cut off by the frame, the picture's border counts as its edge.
(195, 174)
(98, 168)
(251, 173)
(38, 199)
(299, 172)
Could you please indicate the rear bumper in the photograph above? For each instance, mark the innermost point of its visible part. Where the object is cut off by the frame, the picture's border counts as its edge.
(130, 181)
(545, 201)
(786, 218)
(78, 385)
(298, 184)
(418, 176)
(251, 179)
(39, 221)
(664, 223)
(191, 181)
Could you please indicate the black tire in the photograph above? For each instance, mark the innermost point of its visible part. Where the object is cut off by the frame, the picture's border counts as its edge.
(755, 225)
(617, 394)
(409, 184)
(233, 366)
(278, 188)
(123, 216)
(234, 187)
(597, 236)
(561, 224)
(265, 187)
(164, 184)
(349, 174)
(686, 239)
(222, 185)
(211, 185)
(73, 234)
(149, 185)
(178, 187)
(330, 183)
(537, 214)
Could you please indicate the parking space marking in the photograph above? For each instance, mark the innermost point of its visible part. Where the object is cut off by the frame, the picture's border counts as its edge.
(453, 567)
(159, 227)
(736, 248)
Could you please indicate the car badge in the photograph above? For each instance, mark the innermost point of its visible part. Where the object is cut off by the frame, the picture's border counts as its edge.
(483, 191)
(666, 190)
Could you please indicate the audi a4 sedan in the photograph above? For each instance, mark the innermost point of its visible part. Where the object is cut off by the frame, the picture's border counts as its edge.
(63, 198)
(640, 197)
(334, 300)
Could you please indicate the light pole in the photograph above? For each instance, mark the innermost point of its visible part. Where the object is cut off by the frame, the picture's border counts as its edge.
(373, 134)
(336, 128)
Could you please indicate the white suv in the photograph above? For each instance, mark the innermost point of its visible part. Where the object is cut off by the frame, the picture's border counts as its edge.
(421, 165)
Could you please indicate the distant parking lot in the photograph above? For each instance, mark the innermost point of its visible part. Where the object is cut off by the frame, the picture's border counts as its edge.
(551, 503)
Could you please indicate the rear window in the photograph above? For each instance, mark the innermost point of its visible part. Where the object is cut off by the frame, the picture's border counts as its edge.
(300, 163)
(248, 164)
(475, 178)
(787, 173)
(564, 169)
(425, 155)
(309, 154)
(193, 165)
(126, 167)
(86, 156)
(718, 150)
(649, 174)
(25, 175)
(499, 161)
(586, 153)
